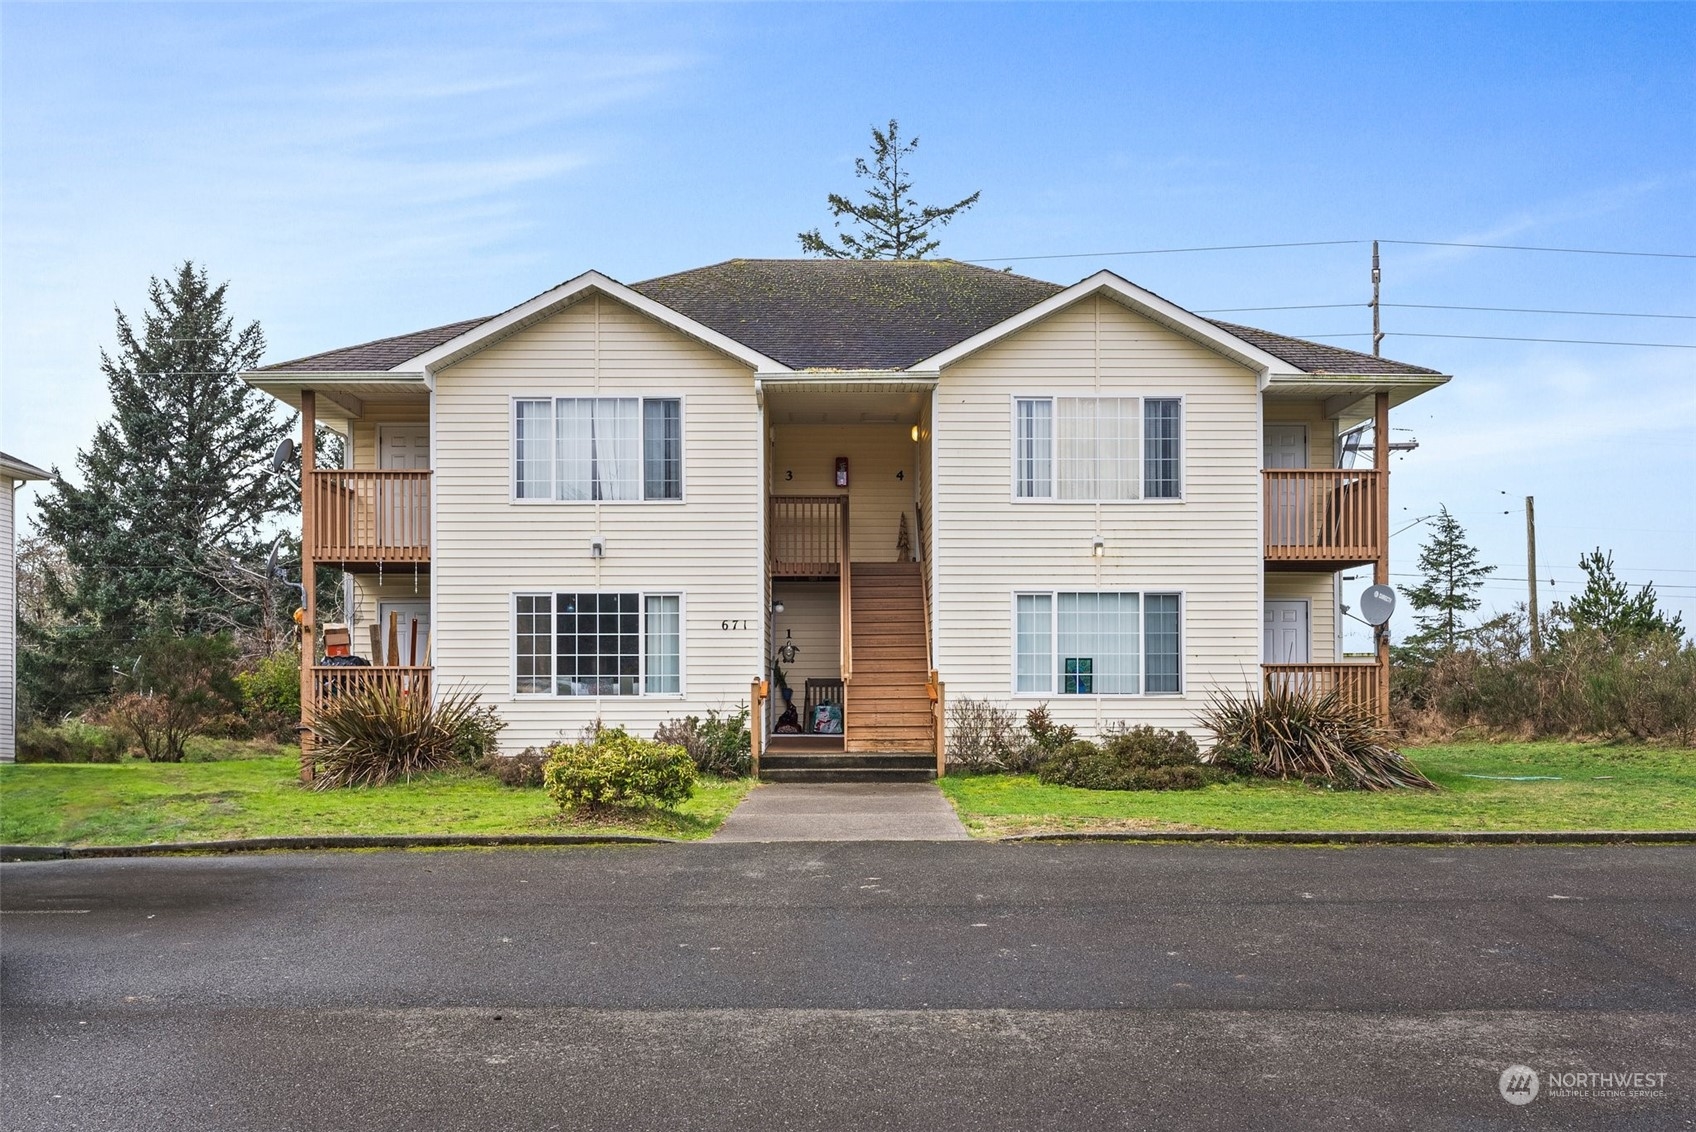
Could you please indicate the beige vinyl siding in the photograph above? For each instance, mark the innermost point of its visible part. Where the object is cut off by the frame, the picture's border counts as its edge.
(489, 546)
(1207, 547)
(812, 620)
(877, 499)
(8, 623)
(1319, 591)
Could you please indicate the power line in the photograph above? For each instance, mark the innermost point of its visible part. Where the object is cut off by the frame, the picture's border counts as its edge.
(1166, 251)
(1530, 248)
(1509, 338)
(1445, 307)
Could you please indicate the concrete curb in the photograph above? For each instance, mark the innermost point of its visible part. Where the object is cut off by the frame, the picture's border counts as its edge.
(327, 841)
(1397, 837)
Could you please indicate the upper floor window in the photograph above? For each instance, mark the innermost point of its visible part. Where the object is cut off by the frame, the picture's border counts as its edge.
(598, 448)
(1097, 449)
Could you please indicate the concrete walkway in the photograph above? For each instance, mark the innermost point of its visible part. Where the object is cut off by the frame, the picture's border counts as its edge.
(847, 811)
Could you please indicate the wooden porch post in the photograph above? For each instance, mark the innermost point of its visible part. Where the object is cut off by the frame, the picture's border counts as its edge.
(756, 723)
(308, 579)
(1381, 567)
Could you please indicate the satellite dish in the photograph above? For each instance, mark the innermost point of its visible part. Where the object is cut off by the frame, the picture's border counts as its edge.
(1376, 604)
(283, 458)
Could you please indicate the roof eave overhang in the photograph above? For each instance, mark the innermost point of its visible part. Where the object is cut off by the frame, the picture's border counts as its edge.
(1264, 365)
(347, 390)
(21, 470)
(551, 302)
(1343, 394)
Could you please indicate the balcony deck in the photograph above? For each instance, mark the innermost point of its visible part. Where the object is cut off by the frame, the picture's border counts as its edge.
(1322, 518)
(1356, 682)
(362, 519)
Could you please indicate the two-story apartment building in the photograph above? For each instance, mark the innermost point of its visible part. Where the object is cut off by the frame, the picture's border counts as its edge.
(889, 478)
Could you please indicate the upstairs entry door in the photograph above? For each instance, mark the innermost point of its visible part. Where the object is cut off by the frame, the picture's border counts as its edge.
(404, 503)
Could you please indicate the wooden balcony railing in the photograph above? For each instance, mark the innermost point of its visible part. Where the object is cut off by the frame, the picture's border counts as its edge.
(370, 516)
(1356, 683)
(329, 681)
(1322, 516)
(808, 534)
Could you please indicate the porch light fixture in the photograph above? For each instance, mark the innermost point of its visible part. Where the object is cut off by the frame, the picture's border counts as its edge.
(1100, 547)
(597, 548)
(777, 607)
(915, 434)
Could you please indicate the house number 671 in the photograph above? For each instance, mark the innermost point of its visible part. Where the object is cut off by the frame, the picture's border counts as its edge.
(734, 623)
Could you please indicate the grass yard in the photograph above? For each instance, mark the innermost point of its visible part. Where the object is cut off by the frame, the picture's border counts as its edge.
(135, 803)
(1599, 787)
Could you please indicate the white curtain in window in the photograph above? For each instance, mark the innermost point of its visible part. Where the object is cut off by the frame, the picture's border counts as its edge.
(1098, 443)
(1100, 643)
(1034, 450)
(663, 631)
(1034, 648)
(599, 448)
(534, 450)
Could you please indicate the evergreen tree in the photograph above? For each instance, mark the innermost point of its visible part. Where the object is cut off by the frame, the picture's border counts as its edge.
(176, 484)
(1608, 606)
(1450, 580)
(892, 225)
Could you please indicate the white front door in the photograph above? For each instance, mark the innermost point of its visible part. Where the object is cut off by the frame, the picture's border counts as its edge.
(1288, 522)
(1287, 633)
(411, 639)
(405, 446)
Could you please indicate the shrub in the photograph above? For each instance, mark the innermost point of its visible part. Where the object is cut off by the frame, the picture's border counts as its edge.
(718, 745)
(985, 739)
(618, 769)
(1290, 733)
(522, 769)
(182, 687)
(373, 735)
(1047, 737)
(270, 693)
(71, 741)
(1130, 758)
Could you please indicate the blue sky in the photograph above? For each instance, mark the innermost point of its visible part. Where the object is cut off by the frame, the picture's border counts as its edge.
(363, 170)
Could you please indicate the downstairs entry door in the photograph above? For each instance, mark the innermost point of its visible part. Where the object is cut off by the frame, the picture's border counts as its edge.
(1288, 633)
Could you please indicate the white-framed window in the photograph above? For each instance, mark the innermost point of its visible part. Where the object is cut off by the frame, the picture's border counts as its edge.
(1073, 643)
(1097, 449)
(598, 644)
(580, 449)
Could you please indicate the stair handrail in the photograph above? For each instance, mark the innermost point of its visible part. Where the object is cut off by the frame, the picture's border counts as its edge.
(924, 579)
(846, 602)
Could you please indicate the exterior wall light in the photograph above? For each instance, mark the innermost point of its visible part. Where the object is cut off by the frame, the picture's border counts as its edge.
(1100, 547)
(915, 434)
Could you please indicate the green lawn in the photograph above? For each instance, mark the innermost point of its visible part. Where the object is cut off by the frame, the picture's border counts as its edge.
(1599, 787)
(135, 803)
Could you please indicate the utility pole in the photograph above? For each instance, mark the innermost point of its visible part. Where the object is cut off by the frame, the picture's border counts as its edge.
(1531, 573)
(1377, 278)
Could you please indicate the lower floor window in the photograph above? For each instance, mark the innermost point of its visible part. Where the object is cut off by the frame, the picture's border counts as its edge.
(598, 644)
(1097, 643)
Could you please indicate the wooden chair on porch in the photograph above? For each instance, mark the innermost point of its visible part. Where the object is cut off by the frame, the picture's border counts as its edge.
(819, 691)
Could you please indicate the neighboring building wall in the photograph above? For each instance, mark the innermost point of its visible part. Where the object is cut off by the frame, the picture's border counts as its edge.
(876, 497)
(487, 545)
(1207, 546)
(8, 623)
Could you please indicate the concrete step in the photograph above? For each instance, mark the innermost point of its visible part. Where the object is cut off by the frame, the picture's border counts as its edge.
(844, 774)
(892, 760)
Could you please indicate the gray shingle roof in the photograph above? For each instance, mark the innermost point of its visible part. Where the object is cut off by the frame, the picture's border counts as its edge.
(1315, 357)
(378, 355)
(845, 314)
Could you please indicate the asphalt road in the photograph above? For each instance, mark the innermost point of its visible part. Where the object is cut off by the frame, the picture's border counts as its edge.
(848, 986)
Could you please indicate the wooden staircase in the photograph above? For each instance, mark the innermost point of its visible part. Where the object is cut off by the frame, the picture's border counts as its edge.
(888, 709)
